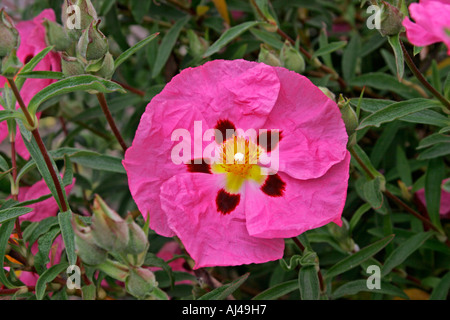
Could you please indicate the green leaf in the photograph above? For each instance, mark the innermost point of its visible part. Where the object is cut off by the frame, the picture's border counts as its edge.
(73, 84)
(350, 57)
(403, 251)
(268, 38)
(433, 179)
(226, 290)
(433, 139)
(167, 44)
(44, 245)
(13, 213)
(36, 154)
(309, 283)
(68, 235)
(48, 276)
(403, 167)
(384, 142)
(229, 36)
(101, 162)
(398, 110)
(394, 41)
(32, 234)
(440, 292)
(42, 75)
(140, 45)
(139, 9)
(354, 287)
(151, 260)
(358, 214)
(357, 258)
(278, 291)
(5, 232)
(373, 192)
(31, 65)
(9, 114)
(329, 48)
(438, 150)
(365, 159)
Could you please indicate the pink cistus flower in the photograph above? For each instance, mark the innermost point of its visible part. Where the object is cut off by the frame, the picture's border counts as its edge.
(32, 41)
(240, 210)
(432, 23)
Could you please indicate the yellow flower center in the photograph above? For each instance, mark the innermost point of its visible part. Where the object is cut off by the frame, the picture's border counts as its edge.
(238, 159)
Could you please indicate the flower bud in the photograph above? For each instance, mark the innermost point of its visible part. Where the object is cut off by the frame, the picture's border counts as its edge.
(391, 20)
(10, 65)
(109, 230)
(56, 35)
(107, 67)
(78, 15)
(9, 36)
(292, 59)
(71, 66)
(140, 282)
(138, 241)
(86, 249)
(93, 45)
(268, 57)
(348, 115)
(197, 45)
(328, 93)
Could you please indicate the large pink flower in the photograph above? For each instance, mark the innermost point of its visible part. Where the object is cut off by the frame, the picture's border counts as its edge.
(232, 206)
(432, 23)
(32, 41)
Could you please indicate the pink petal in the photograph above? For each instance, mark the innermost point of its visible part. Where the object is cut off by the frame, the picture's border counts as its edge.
(211, 238)
(314, 134)
(305, 205)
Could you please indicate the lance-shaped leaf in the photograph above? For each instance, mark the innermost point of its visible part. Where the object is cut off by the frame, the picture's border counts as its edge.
(13, 213)
(73, 84)
(224, 291)
(138, 46)
(47, 277)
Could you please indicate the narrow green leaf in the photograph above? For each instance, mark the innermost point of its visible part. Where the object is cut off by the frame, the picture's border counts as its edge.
(384, 142)
(9, 114)
(140, 45)
(398, 110)
(403, 167)
(73, 84)
(329, 48)
(365, 159)
(309, 283)
(42, 75)
(278, 291)
(151, 260)
(433, 139)
(350, 57)
(440, 292)
(403, 251)
(394, 41)
(268, 37)
(31, 65)
(101, 162)
(226, 290)
(433, 180)
(13, 213)
(44, 246)
(438, 150)
(354, 287)
(47, 277)
(139, 9)
(68, 235)
(358, 214)
(436, 79)
(5, 232)
(167, 44)
(229, 36)
(357, 258)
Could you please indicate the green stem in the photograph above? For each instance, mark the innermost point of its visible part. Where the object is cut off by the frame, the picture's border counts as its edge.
(409, 61)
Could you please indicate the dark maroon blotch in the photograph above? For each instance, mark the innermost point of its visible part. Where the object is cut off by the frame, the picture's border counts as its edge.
(274, 186)
(222, 126)
(226, 202)
(265, 140)
(202, 167)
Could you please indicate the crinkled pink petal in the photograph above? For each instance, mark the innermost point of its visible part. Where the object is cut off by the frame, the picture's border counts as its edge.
(431, 22)
(211, 238)
(314, 137)
(306, 204)
(44, 209)
(444, 210)
(242, 92)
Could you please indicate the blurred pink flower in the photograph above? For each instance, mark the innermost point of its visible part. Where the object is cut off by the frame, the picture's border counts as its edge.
(32, 35)
(444, 210)
(43, 209)
(432, 23)
(239, 212)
